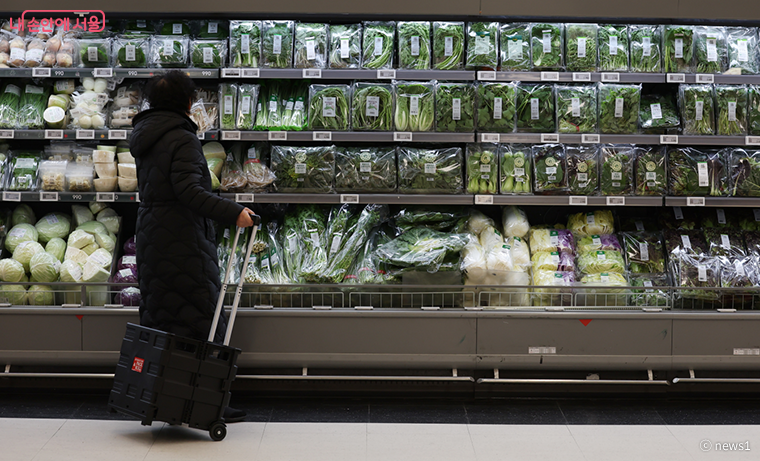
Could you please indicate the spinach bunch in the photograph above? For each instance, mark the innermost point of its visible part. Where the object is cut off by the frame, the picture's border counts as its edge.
(277, 44)
(649, 168)
(482, 45)
(245, 43)
(743, 50)
(753, 115)
(646, 48)
(248, 95)
(303, 169)
(228, 93)
(678, 43)
(515, 169)
(372, 107)
(414, 45)
(697, 109)
(546, 46)
(310, 46)
(455, 107)
(576, 109)
(711, 55)
(482, 168)
(745, 172)
(448, 45)
(415, 106)
(616, 176)
(619, 108)
(365, 169)
(658, 114)
(496, 107)
(732, 101)
(581, 47)
(378, 45)
(583, 169)
(430, 171)
(549, 168)
(515, 47)
(613, 48)
(345, 46)
(692, 172)
(535, 108)
(329, 107)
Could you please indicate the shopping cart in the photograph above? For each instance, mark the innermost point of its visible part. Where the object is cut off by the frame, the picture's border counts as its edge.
(165, 377)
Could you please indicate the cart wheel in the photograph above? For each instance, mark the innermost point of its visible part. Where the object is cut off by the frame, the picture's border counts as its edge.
(218, 431)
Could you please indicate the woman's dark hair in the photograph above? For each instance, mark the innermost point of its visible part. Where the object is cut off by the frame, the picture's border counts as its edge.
(171, 91)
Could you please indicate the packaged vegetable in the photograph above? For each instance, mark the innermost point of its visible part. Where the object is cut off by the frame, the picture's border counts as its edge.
(79, 177)
(745, 172)
(753, 115)
(619, 108)
(678, 48)
(548, 240)
(649, 170)
(560, 295)
(245, 43)
(725, 242)
(693, 172)
(247, 99)
(496, 107)
(613, 48)
(515, 169)
(738, 273)
(415, 106)
(718, 218)
(35, 50)
(598, 222)
(310, 46)
(227, 103)
(448, 45)
(605, 295)
(697, 272)
(53, 175)
(455, 107)
(547, 46)
(31, 108)
(576, 109)
(23, 171)
(742, 47)
(329, 107)
(482, 168)
(130, 51)
(372, 107)
(432, 171)
(208, 54)
(378, 44)
(549, 168)
(414, 45)
(482, 45)
(644, 252)
(616, 174)
(19, 233)
(169, 51)
(282, 105)
(697, 109)
(421, 247)
(658, 114)
(233, 179)
(593, 262)
(583, 169)
(649, 295)
(67, 55)
(345, 46)
(515, 47)
(580, 47)
(174, 28)
(277, 44)
(554, 261)
(515, 222)
(9, 103)
(365, 169)
(94, 52)
(604, 242)
(303, 169)
(535, 108)
(731, 109)
(710, 55)
(213, 29)
(259, 177)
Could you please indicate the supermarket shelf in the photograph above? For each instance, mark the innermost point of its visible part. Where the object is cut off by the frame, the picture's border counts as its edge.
(578, 77)
(331, 199)
(346, 136)
(97, 135)
(349, 74)
(147, 73)
(43, 72)
(562, 200)
(728, 202)
(533, 138)
(47, 196)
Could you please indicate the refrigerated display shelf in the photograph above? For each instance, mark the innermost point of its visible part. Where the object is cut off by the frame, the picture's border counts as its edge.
(349, 74)
(727, 202)
(150, 72)
(86, 197)
(616, 77)
(346, 136)
(84, 135)
(535, 138)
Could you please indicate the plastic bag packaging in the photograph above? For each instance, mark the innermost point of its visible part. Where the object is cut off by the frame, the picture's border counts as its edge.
(549, 168)
(520, 253)
(247, 98)
(644, 252)
(233, 178)
(547, 46)
(372, 107)
(738, 273)
(277, 44)
(515, 47)
(68, 54)
(213, 29)
(697, 109)
(678, 48)
(22, 171)
(515, 222)
(658, 114)
(604, 242)
(616, 169)
(169, 51)
(329, 107)
(650, 171)
(496, 107)
(718, 218)
(680, 243)
(448, 45)
(201, 116)
(94, 52)
(88, 110)
(753, 116)
(710, 55)
(174, 28)
(9, 102)
(646, 49)
(259, 177)
(378, 44)
(35, 51)
(31, 108)
(430, 171)
(474, 260)
(592, 262)
(560, 295)
(345, 46)
(548, 240)
(415, 106)
(310, 46)
(580, 47)
(208, 54)
(554, 261)
(516, 169)
(619, 108)
(582, 169)
(478, 222)
(606, 294)
(365, 169)
(742, 47)
(613, 48)
(303, 169)
(482, 168)
(227, 103)
(455, 107)
(731, 109)
(535, 108)
(130, 51)
(745, 172)
(79, 177)
(697, 272)
(245, 43)
(482, 45)
(414, 45)
(576, 109)
(693, 172)
(649, 295)
(598, 222)
(53, 175)
(725, 242)
(140, 26)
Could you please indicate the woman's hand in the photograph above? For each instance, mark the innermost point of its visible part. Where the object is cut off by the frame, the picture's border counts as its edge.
(244, 218)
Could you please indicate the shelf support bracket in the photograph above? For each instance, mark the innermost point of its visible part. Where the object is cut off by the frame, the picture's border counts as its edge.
(651, 375)
(7, 368)
(495, 373)
(454, 372)
(305, 371)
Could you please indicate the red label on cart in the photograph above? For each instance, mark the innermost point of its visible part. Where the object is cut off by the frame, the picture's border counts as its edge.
(137, 365)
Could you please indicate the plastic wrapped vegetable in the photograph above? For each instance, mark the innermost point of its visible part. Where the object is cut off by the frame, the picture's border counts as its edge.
(678, 48)
(245, 43)
(67, 54)
(233, 178)
(455, 107)
(31, 108)
(731, 109)
(535, 108)
(580, 47)
(646, 51)
(329, 107)
(372, 107)
(745, 172)
(23, 171)
(697, 109)
(658, 114)
(742, 47)
(693, 172)
(365, 169)
(496, 107)
(516, 169)
(277, 44)
(576, 109)
(208, 54)
(613, 48)
(547, 46)
(430, 171)
(597, 222)
(448, 45)
(616, 174)
(554, 261)
(174, 28)
(583, 169)
(421, 247)
(515, 222)
(515, 47)
(303, 169)
(697, 272)
(413, 45)
(415, 106)
(604, 242)
(213, 29)
(710, 55)
(548, 240)
(9, 101)
(482, 168)
(282, 105)
(549, 168)
(310, 46)
(482, 45)
(619, 108)
(649, 170)
(644, 252)
(345, 46)
(227, 104)
(247, 97)
(753, 115)
(649, 295)
(719, 218)
(378, 44)
(738, 273)
(258, 175)
(557, 291)
(725, 242)
(169, 51)
(606, 294)
(95, 52)
(592, 262)
(131, 51)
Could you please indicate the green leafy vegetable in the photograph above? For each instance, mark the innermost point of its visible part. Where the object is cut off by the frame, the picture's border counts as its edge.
(304, 169)
(649, 296)
(455, 106)
(582, 169)
(277, 44)
(515, 47)
(378, 45)
(753, 116)
(174, 28)
(549, 168)
(448, 45)
(745, 172)
(131, 51)
(245, 43)
(496, 107)
(170, 50)
(732, 101)
(430, 171)
(23, 171)
(535, 108)
(213, 29)
(341, 260)
(546, 45)
(515, 169)
(310, 46)
(696, 173)
(619, 108)
(743, 49)
(421, 247)
(576, 109)
(646, 51)
(345, 46)
(580, 43)
(617, 169)
(9, 101)
(282, 105)
(372, 107)
(414, 45)
(697, 109)
(658, 114)
(613, 48)
(711, 54)
(482, 45)
(248, 95)
(31, 107)
(678, 43)
(415, 106)
(95, 52)
(482, 168)
(328, 107)
(649, 167)
(365, 169)
(227, 104)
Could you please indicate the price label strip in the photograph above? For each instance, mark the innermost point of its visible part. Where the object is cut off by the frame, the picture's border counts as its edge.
(312, 73)
(278, 136)
(490, 137)
(48, 196)
(230, 73)
(11, 196)
(615, 201)
(244, 198)
(581, 76)
(251, 73)
(349, 198)
(85, 134)
(230, 136)
(385, 74)
(695, 201)
(590, 139)
(578, 200)
(484, 200)
(105, 197)
(402, 136)
(321, 136)
(487, 75)
(549, 137)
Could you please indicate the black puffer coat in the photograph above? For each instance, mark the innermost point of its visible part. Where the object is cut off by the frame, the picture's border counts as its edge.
(176, 246)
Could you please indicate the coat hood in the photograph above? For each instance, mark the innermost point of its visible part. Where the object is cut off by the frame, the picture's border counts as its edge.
(151, 125)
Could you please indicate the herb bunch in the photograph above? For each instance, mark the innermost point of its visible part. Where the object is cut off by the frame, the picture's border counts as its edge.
(646, 50)
(546, 46)
(697, 109)
(482, 45)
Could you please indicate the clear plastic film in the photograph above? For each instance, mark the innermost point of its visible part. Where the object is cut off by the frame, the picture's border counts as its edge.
(646, 48)
(228, 93)
(613, 48)
(247, 102)
(436, 171)
(711, 56)
(644, 252)
(345, 46)
(378, 45)
(745, 172)
(245, 43)
(414, 45)
(482, 45)
(576, 109)
(583, 169)
(365, 169)
(535, 108)
(131, 51)
(742, 44)
(678, 48)
(372, 107)
(650, 171)
(648, 295)
(549, 168)
(515, 47)
(303, 169)
(547, 46)
(208, 54)
(581, 47)
(448, 45)
(697, 172)
(697, 109)
(277, 44)
(455, 107)
(658, 114)
(731, 109)
(616, 169)
(329, 107)
(415, 106)
(516, 169)
(496, 107)
(310, 46)
(482, 168)
(169, 51)
(603, 242)
(619, 108)
(753, 112)
(94, 52)
(597, 222)
(549, 240)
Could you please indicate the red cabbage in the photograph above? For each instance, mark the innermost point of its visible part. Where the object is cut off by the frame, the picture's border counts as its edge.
(127, 275)
(130, 247)
(127, 262)
(129, 296)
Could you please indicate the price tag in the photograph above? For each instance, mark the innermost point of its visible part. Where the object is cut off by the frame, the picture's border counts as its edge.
(85, 134)
(312, 73)
(578, 200)
(251, 73)
(484, 200)
(321, 136)
(41, 72)
(11, 196)
(490, 137)
(278, 136)
(6, 134)
(705, 78)
(695, 201)
(615, 201)
(202, 136)
(230, 136)
(610, 77)
(53, 134)
(581, 76)
(549, 76)
(402, 136)
(549, 137)
(386, 74)
(669, 139)
(230, 73)
(487, 75)
(103, 72)
(117, 134)
(752, 140)
(105, 197)
(48, 196)
(349, 198)
(676, 78)
(244, 198)
(590, 138)
(137, 197)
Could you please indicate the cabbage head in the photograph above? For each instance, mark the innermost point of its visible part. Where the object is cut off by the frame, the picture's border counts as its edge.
(94, 227)
(91, 248)
(53, 225)
(11, 270)
(14, 294)
(44, 267)
(71, 271)
(24, 252)
(57, 248)
(80, 239)
(23, 214)
(20, 233)
(40, 295)
(82, 214)
(97, 207)
(105, 241)
(110, 219)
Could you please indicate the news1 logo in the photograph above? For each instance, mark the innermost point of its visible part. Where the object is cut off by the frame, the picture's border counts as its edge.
(46, 21)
